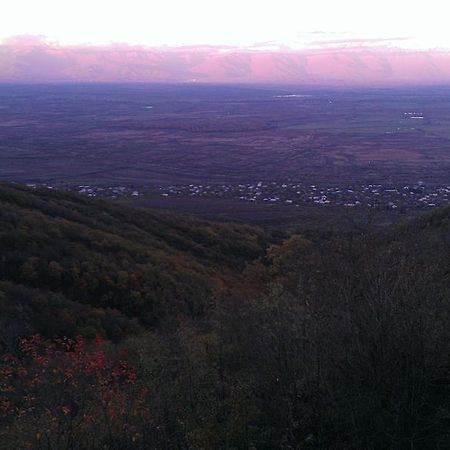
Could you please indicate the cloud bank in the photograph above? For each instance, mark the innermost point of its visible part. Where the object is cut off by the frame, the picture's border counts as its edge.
(32, 59)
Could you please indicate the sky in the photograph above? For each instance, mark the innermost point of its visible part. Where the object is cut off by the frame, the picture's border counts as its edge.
(379, 42)
(297, 24)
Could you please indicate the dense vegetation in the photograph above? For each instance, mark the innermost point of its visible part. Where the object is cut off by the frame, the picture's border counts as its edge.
(128, 329)
(70, 265)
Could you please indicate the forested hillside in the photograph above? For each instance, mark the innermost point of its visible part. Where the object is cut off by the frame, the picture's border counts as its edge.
(129, 329)
(71, 265)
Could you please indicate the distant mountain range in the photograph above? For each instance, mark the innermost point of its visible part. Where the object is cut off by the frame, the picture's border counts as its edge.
(32, 59)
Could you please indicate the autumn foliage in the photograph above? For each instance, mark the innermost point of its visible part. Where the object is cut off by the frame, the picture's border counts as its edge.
(68, 394)
(333, 339)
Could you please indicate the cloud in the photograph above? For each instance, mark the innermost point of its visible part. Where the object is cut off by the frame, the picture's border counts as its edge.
(33, 59)
(25, 41)
(358, 42)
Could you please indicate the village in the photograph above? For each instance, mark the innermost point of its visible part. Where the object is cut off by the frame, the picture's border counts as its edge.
(415, 196)
(418, 195)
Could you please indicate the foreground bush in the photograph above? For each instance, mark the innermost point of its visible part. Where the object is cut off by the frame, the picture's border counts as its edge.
(69, 395)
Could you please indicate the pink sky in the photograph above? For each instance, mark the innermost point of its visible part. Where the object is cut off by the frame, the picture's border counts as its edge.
(341, 62)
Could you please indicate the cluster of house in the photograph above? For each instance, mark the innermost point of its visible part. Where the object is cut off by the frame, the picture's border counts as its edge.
(110, 191)
(416, 195)
(93, 191)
